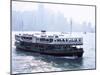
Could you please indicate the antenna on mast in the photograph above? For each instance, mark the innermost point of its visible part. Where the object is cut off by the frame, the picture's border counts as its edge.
(70, 26)
(22, 22)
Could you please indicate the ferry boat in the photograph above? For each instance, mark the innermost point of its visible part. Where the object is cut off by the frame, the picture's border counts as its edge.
(50, 44)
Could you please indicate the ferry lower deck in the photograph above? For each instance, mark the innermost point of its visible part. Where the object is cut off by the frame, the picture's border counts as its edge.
(51, 49)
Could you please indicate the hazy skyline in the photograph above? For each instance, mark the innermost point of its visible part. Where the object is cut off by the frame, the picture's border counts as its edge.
(77, 13)
(29, 16)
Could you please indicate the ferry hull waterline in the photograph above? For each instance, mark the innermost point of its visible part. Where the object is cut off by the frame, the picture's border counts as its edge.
(49, 46)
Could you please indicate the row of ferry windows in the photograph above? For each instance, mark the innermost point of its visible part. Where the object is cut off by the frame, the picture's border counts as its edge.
(60, 40)
(67, 40)
(29, 38)
(51, 40)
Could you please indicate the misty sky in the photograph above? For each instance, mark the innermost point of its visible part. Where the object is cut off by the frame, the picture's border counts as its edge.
(78, 13)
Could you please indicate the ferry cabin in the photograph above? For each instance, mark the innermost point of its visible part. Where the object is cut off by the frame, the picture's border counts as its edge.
(48, 42)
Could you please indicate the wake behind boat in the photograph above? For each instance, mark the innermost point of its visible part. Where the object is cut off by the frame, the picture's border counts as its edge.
(50, 44)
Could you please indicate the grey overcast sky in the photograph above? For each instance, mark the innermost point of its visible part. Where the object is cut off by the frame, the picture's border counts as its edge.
(77, 13)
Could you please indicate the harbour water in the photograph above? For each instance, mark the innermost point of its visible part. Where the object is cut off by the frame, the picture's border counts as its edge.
(29, 62)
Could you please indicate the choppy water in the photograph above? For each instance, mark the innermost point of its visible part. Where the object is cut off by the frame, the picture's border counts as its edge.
(29, 62)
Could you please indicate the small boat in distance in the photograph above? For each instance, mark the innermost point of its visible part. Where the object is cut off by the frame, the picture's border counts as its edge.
(50, 44)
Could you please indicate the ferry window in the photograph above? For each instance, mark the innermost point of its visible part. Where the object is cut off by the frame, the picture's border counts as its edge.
(56, 36)
(79, 39)
(51, 40)
(75, 40)
(26, 37)
(58, 40)
(66, 40)
(63, 40)
(42, 39)
(47, 39)
(23, 37)
(29, 38)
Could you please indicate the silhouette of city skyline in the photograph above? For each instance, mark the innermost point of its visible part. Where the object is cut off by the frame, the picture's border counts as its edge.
(42, 19)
